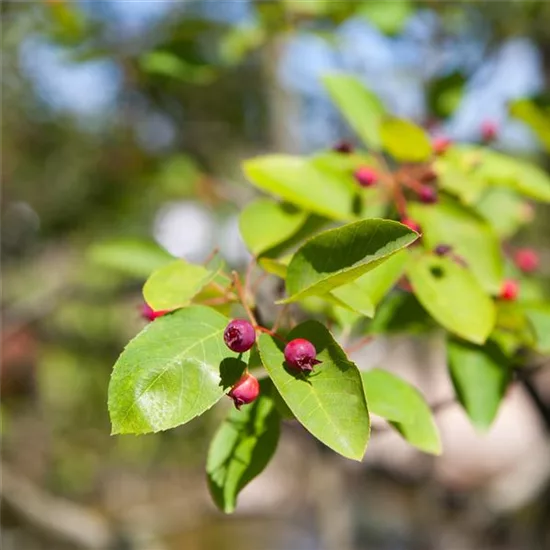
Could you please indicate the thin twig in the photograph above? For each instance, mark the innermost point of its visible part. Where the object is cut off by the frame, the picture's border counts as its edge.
(243, 298)
(248, 276)
(356, 346)
(211, 256)
(279, 317)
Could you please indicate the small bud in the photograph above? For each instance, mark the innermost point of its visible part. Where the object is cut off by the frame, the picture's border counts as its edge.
(527, 260)
(509, 290)
(442, 249)
(365, 176)
(245, 390)
(147, 312)
(300, 354)
(489, 131)
(441, 144)
(239, 335)
(411, 224)
(427, 195)
(344, 147)
(429, 175)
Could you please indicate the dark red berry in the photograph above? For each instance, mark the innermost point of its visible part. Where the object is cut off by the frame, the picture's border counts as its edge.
(429, 175)
(245, 390)
(239, 335)
(365, 176)
(344, 147)
(300, 354)
(509, 290)
(489, 130)
(441, 144)
(147, 312)
(427, 195)
(411, 224)
(442, 249)
(527, 260)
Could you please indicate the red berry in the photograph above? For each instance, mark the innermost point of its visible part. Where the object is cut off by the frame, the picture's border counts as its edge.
(147, 312)
(509, 290)
(489, 130)
(300, 354)
(239, 335)
(411, 224)
(245, 390)
(527, 260)
(427, 195)
(344, 147)
(441, 144)
(365, 176)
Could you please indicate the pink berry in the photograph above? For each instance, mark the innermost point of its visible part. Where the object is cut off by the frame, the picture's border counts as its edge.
(509, 290)
(427, 195)
(411, 224)
(365, 176)
(239, 335)
(489, 130)
(344, 147)
(441, 144)
(147, 312)
(527, 260)
(245, 390)
(300, 354)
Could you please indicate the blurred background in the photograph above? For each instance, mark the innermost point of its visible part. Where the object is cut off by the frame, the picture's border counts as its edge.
(123, 127)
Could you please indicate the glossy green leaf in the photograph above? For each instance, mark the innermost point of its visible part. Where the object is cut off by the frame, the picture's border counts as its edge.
(298, 181)
(330, 402)
(535, 117)
(539, 318)
(360, 107)
(168, 64)
(278, 268)
(339, 256)
(170, 372)
(354, 298)
(265, 223)
(175, 284)
(390, 397)
(242, 447)
(505, 211)
(452, 296)
(134, 257)
(404, 140)
(471, 237)
(480, 376)
(456, 174)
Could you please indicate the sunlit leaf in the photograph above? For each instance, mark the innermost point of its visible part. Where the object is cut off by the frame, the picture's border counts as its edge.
(404, 140)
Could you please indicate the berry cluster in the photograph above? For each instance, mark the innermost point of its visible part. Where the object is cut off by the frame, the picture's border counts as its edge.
(239, 336)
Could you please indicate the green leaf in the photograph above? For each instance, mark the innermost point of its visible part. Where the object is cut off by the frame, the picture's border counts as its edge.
(242, 447)
(265, 223)
(395, 400)
(480, 376)
(339, 256)
(445, 93)
(175, 284)
(330, 402)
(456, 174)
(535, 117)
(360, 107)
(377, 282)
(354, 298)
(278, 268)
(452, 296)
(389, 17)
(134, 257)
(405, 141)
(170, 372)
(298, 181)
(471, 237)
(539, 318)
(504, 210)
(168, 64)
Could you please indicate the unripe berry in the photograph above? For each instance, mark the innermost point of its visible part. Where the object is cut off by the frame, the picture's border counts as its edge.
(441, 144)
(427, 195)
(442, 249)
(300, 354)
(239, 335)
(509, 290)
(245, 390)
(344, 147)
(365, 176)
(489, 130)
(147, 312)
(527, 260)
(411, 224)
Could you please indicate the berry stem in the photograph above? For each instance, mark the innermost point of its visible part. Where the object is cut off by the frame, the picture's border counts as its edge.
(270, 332)
(243, 298)
(211, 256)
(279, 317)
(356, 346)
